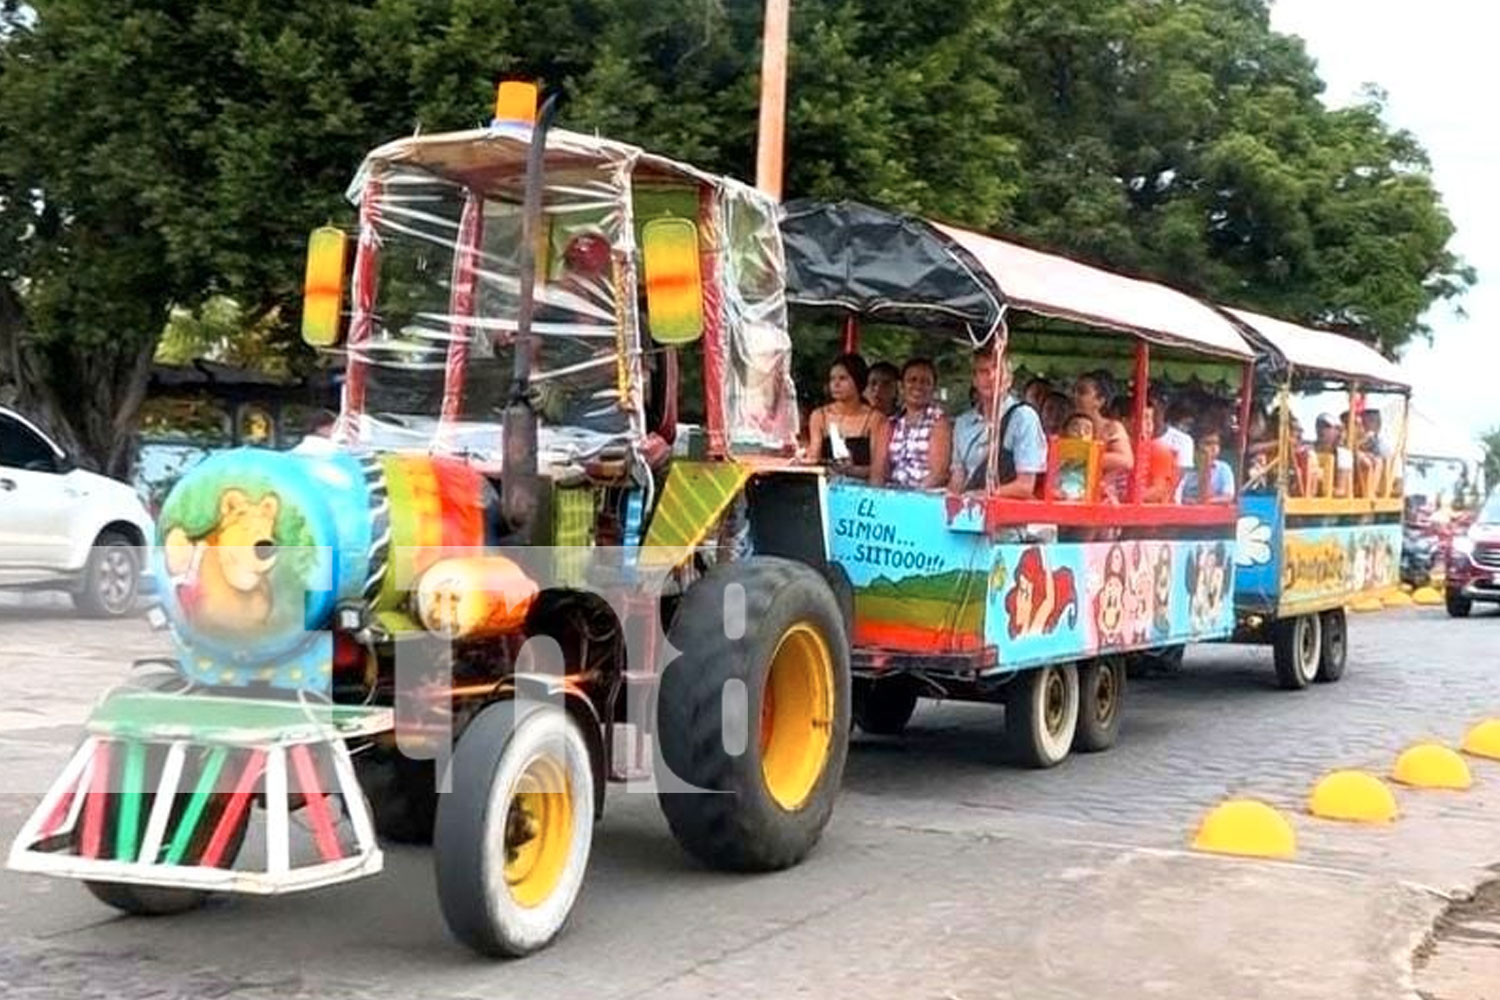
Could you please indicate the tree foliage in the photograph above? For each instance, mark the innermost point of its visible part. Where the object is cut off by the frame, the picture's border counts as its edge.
(1491, 441)
(155, 154)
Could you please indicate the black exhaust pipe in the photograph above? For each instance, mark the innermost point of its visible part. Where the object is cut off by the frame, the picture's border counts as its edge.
(521, 489)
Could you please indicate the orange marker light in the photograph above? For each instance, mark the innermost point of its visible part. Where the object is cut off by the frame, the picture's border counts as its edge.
(515, 101)
(674, 284)
(323, 286)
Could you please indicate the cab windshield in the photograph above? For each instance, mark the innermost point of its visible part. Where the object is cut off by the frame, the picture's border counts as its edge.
(447, 303)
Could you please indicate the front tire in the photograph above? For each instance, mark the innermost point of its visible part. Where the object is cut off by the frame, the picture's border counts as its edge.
(1335, 654)
(1459, 606)
(1041, 716)
(1101, 696)
(1297, 647)
(165, 900)
(111, 578)
(512, 836)
(764, 668)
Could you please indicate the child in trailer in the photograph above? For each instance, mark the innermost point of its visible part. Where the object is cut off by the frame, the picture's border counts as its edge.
(1072, 471)
(1220, 474)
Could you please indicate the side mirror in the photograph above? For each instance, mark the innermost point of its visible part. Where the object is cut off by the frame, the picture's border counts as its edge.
(323, 286)
(674, 282)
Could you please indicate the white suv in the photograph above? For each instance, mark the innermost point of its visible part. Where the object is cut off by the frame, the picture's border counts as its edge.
(62, 528)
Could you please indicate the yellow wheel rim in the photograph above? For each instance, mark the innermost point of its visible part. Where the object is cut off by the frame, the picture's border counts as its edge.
(538, 832)
(796, 716)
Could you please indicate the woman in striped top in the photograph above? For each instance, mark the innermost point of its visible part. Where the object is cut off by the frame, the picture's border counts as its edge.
(922, 434)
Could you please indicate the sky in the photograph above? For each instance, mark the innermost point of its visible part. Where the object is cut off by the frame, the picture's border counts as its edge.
(1436, 61)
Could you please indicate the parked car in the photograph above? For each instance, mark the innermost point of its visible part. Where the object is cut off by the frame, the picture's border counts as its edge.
(1474, 561)
(64, 528)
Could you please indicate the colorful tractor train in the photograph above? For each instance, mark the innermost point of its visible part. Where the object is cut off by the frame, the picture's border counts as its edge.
(515, 575)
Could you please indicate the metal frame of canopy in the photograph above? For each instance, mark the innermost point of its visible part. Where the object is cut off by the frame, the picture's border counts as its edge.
(1344, 361)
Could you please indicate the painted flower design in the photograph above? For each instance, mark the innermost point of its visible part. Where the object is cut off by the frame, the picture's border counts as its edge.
(1252, 542)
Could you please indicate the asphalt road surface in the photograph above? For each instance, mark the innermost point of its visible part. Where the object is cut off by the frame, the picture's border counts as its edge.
(944, 874)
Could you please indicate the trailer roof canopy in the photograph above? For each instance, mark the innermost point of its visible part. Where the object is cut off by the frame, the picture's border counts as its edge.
(1325, 353)
(885, 264)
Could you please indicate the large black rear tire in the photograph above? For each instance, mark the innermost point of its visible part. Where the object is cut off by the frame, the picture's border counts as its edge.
(764, 668)
(1459, 606)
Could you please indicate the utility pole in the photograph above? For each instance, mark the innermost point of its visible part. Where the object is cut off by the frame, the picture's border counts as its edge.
(768, 163)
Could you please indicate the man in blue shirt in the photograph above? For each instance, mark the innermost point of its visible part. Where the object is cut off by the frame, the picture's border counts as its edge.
(1220, 474)
(1023, 444)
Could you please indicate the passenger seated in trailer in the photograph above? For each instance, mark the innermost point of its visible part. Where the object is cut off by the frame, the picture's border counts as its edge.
(922, 435)
(1260, 453)
(1329, 436)
(1023, 445)
(880, 392)
(1036, 392)
(848, 434)
(1370, 420)
(1092, 395)
(1220, 473)
(1169, 418)
(1163, 467)
(1055, 410)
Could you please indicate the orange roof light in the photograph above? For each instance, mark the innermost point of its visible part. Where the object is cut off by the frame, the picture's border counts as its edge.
(515, 102)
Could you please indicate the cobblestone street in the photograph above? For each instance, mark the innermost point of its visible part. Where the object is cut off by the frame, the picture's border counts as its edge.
(945, 872)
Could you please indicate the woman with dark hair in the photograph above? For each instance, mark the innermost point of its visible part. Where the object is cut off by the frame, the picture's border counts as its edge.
(847, 433)
(1092, 394)
(921, 434)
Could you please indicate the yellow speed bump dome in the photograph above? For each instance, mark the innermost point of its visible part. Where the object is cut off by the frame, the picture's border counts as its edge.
(1427, 595)
(1484, 740)
(1432, 765)
(1247, 828)
(1398, 599)
(1353, 796)
(1368, 604)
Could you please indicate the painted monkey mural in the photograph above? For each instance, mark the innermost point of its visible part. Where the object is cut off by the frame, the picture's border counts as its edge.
(1110, 610)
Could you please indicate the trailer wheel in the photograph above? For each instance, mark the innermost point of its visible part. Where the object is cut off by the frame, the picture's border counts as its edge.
(512, 837)
(1297, 645)
(756, 712)
(1335, 653)
(1041, 716)
(884, 707)
(1101, 696)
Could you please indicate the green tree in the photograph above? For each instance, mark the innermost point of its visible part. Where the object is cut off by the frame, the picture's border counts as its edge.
(1186, 141)
(1491, 441)
(158, 154)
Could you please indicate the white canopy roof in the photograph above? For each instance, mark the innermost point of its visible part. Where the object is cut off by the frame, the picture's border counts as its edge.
(1321, 351)
(1065, 289)
(1428, 438)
